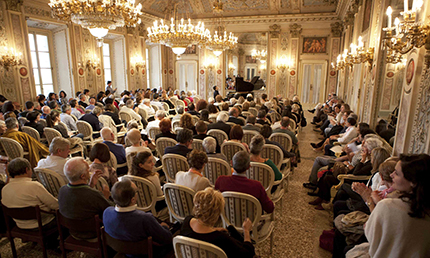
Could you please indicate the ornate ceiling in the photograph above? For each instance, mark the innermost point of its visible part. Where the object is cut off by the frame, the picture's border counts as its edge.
(235, 8)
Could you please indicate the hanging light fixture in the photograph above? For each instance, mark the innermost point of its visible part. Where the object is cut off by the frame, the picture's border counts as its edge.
(259, 55)
(98, 16)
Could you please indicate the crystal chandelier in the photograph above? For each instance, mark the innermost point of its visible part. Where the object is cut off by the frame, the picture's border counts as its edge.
(222, 40)
(98, 16)
(259, 55)
(178, 35)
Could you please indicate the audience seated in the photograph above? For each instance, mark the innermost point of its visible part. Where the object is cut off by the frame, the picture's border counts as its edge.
(261, 118)
(110, 110)
(117, 149)
(137, 144)
(250, 124)
(159, 115)
(192, 110)
(93, 119)
(210, 146)
(221, 123)
(78, 199)
(194, 178)
(59, 150)
(33, 118)
(179, 113)
(202, 129)
(166, 129)
(147, 106)
(285, 128)
(29, 106)
(233, 116)
(186, 121)
(238, 182)
(256, 145)
(208, 206)
(236, 135)
(183, 147)
(99, 155)
(66, 117)
(128, 108)
(22, 192)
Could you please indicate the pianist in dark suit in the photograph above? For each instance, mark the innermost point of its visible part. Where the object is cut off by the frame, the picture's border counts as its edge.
(216, 91)
(234, 113)
(220, 123)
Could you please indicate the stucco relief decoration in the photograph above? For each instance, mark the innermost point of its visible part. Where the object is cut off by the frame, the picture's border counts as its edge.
(36, 11)
(295, 30)
(336, 29)
(170, 71)
(390, 74)
(132, 71)
(292, 73)
(386, 96)
(273, 54)
(284, 41)
(143, 71)
(218, 71)
(275, 30)
(81, 71)
(421, 123)
(273, 72)
(25, 82)
(333, 73)
(14, 5)
(292, 84)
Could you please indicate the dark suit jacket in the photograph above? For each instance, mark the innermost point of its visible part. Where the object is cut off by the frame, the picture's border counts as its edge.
(83, 104)
(167, 135)
(236, 121)
(262, 122)
(251, 127)
(194, 113)
(203, 136)
(93, 120)
(221, 126)
(177, 149)
(36, 126)
(119, 152)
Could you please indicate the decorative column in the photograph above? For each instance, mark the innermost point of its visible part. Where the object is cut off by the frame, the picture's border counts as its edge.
(272, 55)
(344, 74)
(295, 31)
(336, 33)
(203, 90)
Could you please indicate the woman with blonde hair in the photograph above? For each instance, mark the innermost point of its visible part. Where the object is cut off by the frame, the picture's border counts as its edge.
(186, 121)
(208, 206)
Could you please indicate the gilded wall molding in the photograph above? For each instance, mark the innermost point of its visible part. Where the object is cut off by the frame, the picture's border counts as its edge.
(36, 11)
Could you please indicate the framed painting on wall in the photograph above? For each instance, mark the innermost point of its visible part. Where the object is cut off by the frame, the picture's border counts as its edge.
(250, 60)
(314, 45)
(191, 50)
(367, 14)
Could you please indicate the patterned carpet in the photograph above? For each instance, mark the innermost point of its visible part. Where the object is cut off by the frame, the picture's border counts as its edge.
(297, 229)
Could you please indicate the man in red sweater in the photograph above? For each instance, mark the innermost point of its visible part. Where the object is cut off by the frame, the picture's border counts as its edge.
(238, 182)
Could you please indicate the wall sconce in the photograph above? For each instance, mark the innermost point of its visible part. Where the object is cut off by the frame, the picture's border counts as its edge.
(409, 33)
(138, 62)
(283, 64)
(231, 68)
(209, 63)
(9, 58)
(93, 63)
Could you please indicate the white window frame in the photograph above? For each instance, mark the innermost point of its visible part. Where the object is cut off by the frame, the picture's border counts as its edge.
(110, 61)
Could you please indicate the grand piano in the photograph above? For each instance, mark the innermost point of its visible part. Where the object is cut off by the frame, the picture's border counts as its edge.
(243, 87)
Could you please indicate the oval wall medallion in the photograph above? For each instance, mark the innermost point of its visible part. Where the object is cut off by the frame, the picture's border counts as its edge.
(410, 71)
(332, 73)
(99, 71)
(143, 71)
(292, 73)
(390, 74)
(219, 71)
(272, 72)
(132, 71)
(23, 71)
(170, 71)
(202, 71)
(81, 71)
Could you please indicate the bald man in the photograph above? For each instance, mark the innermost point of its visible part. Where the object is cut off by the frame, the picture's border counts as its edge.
(45, 112)
(138, 145)
(117, 149)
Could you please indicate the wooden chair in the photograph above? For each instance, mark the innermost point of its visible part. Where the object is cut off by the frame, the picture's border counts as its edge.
(153, 131)
(87, 130)
(117, 130)
(155, 107)
(216, 167)
(22, 121)
(188, 101)
(275, 153)
(124, 116)
(175, 124)
(247, 136)
(43, 122)
(147, 196)
(195, 119)
(178, 129)
(197, 144)
(196, 99)
(12, 148)
(179, 200)
(162, 143)
(234, 215)
(243, 119)
(265, 175)
(246, 114)
(230, 148)
(220, 135)
(51, 180)
(172, 164)
(33, 133)
(283, 139)
(180, 103)
(186, 247)
(71, 243)
(51, 133)
(342, 179)
(101, 182)
(143, 247)
(27, 213)
(165, 106)
(230, 124)
(253, 111)
(142, 112)
(258, 125)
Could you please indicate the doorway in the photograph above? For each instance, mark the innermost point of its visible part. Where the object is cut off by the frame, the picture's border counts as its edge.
(187, 75)
(313, 78)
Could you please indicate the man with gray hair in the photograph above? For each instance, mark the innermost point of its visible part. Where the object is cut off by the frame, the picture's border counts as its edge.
(66, 117)
(117, 149)
(128, 108)
(179, 113)
(146, 104)
(250, 124)
(159, 115)
(220, 124)
(59, 150)
(22, 192)
(238, 182)
(210, 145)
(79, 199)
(93, 119)
(234, 114)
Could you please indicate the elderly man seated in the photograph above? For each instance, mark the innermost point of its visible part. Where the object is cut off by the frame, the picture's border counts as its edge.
(221, 123)
(67, 119)
(22, 192)
(234, 114)
(137, 144)
(185, 141)
(128, 108)
(34, 148)
(285, 122)
(146, 105)
(159, 115)
(202, 129)
(59, 150)
(209, 145)
(250, 124)
(79, 199)
(117, 149)
(45, 112)
(93, 119)
(125, 222)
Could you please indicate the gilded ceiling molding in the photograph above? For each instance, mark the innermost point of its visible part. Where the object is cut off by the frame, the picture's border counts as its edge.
(287, 18)
(336, 29)
(14, 5)
(275, 30)
(37, 11)
(295, 30)
(349, 18)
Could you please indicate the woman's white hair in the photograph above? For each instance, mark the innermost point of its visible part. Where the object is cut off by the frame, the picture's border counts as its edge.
(209, 144)
(223, 116)
(372, 143)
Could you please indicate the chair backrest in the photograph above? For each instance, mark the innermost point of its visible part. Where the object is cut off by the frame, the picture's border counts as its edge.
(101, 182)
(22, 121)
(12, 148)
(220, 135)
(32, 132)
(127, 247)
(179, 200)
(234, 213)
(186, 247)
(27, 213)
(64, 126)
(212, 119)
(246, 113)
(51, 133)
(142, 112)
(230, 148)
(43, 122)
(178, 129)
(107, 121)
(146, 193)
(162, 143)
(197, 144)
(86, 129)
(155, 107)
(248, 134)
(165, 106)
(175, 124)
(124, 116)
(188, 101)
(243, 119)
(180, 103)
(230, 124)
(51, 180)
(258, 125)
(283, 139)
(216, 167)
(253, 111)
(196, 99)
(262, 173)
(172, 164)
(195, 119)
(112, 161)
(292, 124)
(130, 156)
(274, 153)
(88, 225)
(153, 131)
(74, 117)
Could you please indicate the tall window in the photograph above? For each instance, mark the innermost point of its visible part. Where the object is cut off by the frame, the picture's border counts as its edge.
(106, 62)
(41, 60)
(147, 69)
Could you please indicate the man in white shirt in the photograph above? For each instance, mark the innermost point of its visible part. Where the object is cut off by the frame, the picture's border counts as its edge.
(156, 102)
(59, 152)
(138, 145)
(75, 111)
(146, 104)
(160, 114)
(67, 119)
(128, 108)
(22, 192)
